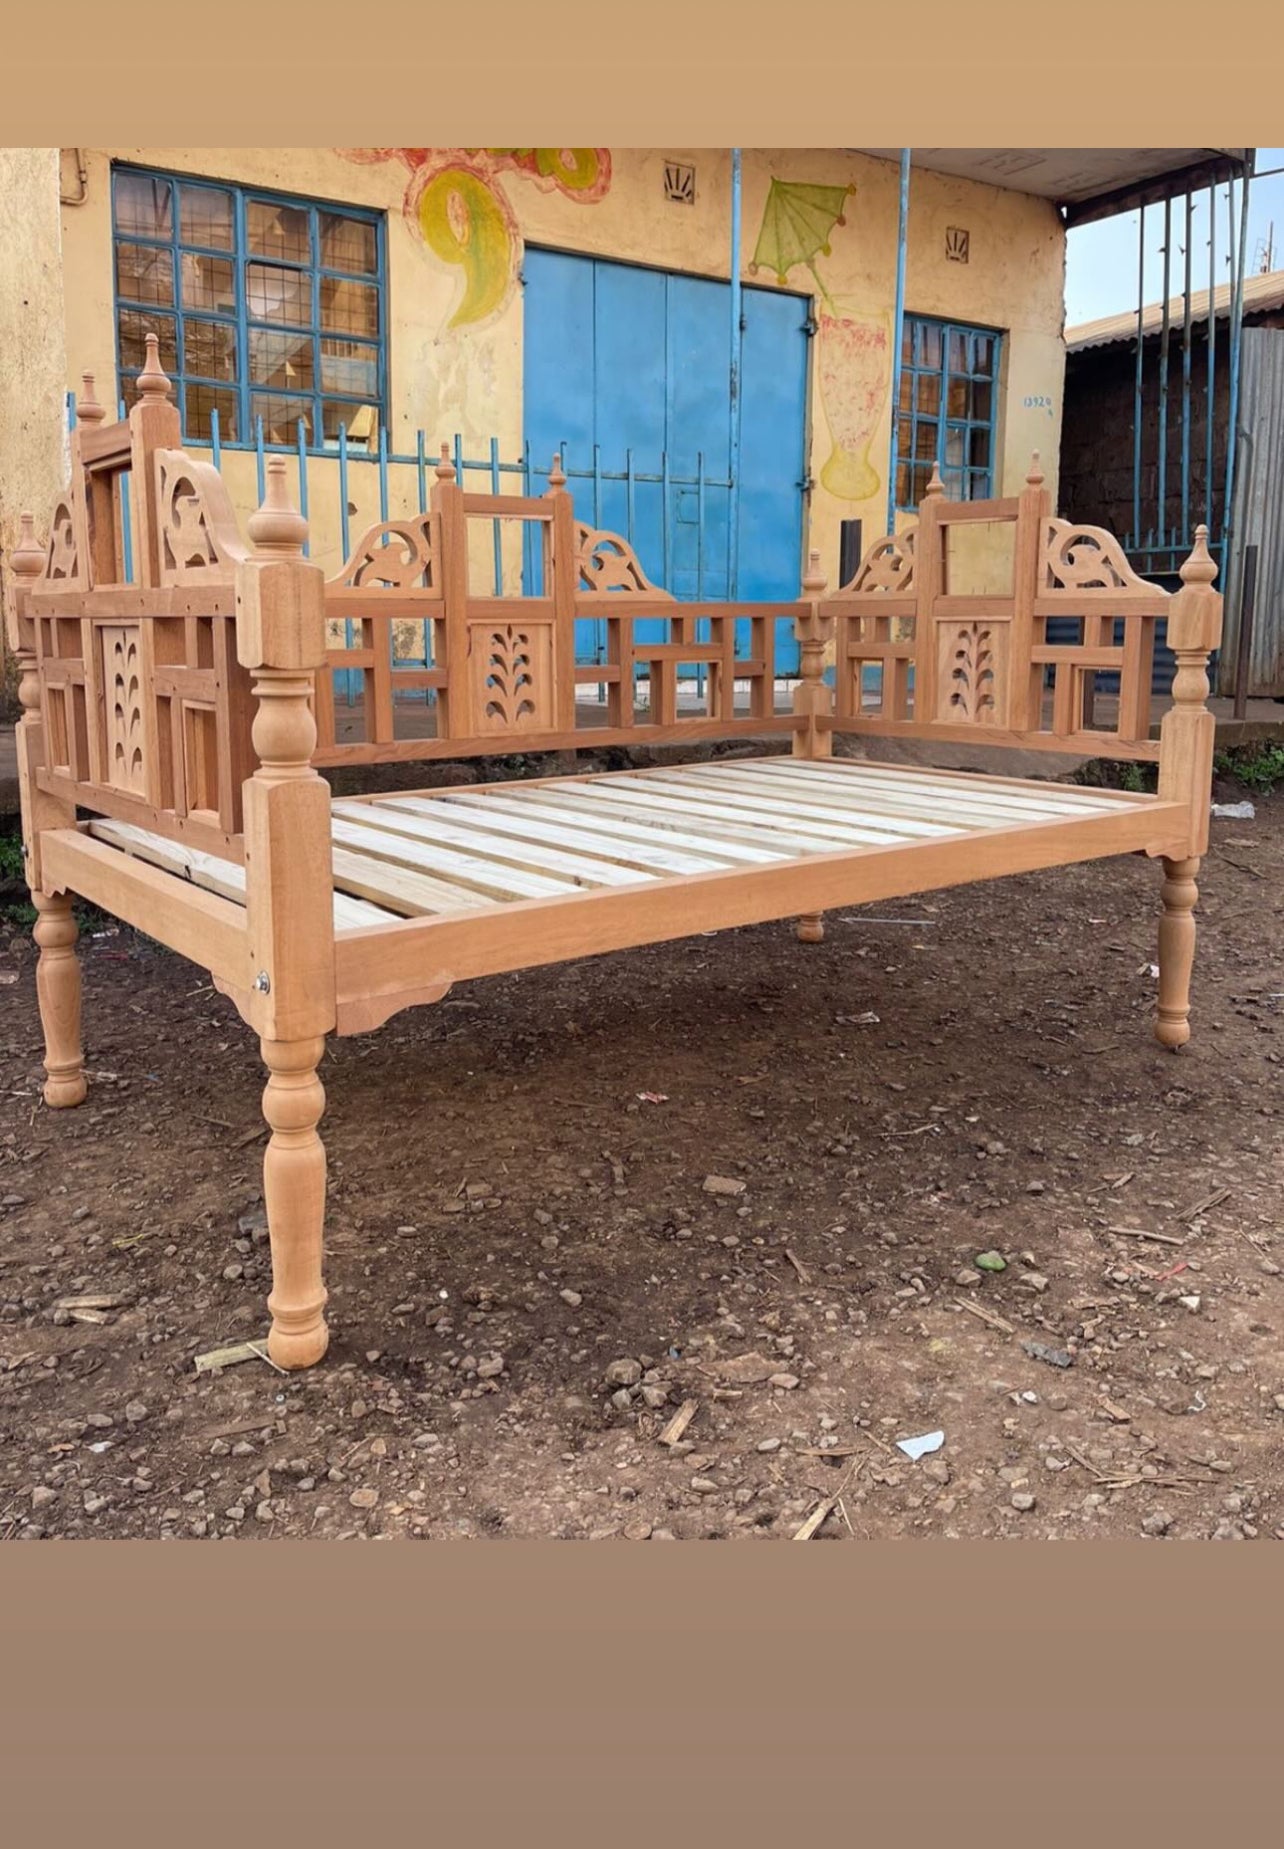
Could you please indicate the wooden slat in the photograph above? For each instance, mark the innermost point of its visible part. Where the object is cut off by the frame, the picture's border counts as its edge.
(208, 930)
(1050, 799)
(794, 831)
(968, 800)
(422, 820)
(412, 895)
(1036, 786)
(1058, 796)
(224, 877)
(790, 805)
(456, 869)
(506, 815)
(633, 821)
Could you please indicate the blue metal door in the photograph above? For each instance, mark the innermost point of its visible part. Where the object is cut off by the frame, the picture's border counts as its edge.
(627, 373)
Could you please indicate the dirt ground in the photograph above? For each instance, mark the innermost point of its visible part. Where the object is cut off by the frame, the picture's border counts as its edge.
(530, 1275)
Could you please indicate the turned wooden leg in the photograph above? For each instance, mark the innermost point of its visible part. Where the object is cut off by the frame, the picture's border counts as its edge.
(294, 1193)
(811, 928)
(58, 990)
(1176, 952)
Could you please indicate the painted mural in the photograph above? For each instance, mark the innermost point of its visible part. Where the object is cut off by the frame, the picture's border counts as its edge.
(456, 207)
(853, 357)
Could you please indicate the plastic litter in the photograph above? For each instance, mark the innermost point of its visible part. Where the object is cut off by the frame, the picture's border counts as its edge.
(1234, 812)
(914, 1448)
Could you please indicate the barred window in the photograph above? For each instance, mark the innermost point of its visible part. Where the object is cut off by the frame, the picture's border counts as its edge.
(947, 410)
(266, 308)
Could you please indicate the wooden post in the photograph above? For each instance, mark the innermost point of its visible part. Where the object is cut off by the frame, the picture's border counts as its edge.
(1025, 689)
(813, 700)
(57, 971)
(1186, 775)
(280, 637)
(929, 584)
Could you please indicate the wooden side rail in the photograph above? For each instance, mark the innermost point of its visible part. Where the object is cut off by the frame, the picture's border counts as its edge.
(145, 707)
(913, 658)
(503, 668)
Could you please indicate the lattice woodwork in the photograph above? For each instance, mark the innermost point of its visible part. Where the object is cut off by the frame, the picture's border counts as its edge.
(910, 655)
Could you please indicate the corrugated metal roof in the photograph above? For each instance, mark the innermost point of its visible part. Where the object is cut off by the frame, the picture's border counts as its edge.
(1259, 516)
(1261, 293)
(1091, 181)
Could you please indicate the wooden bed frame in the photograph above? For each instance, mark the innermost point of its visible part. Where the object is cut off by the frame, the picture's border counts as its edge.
(173, 726)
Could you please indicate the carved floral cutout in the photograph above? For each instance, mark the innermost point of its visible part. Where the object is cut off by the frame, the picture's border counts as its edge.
(510, 677)
(200, 540)
(62, 555)
(1086, 558)
(887, 566)
(607, 562)
(124, 707)
(407, 562)
(972, 673)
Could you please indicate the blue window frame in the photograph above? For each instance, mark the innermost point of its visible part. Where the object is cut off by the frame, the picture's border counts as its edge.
(266, 307)
(948, 405)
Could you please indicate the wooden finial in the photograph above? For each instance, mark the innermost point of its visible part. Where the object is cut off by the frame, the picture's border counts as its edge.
(152, 382)
(1200, 567)
(1035, 478)
(27, 558)
(278, 526)
(936, 485)
(445, 468)
(556, 474)
(88, 409)
(814, 577)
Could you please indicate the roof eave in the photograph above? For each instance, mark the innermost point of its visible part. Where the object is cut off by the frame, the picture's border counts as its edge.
(1221, 164)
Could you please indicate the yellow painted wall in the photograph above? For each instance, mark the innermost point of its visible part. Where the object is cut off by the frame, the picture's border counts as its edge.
(33, 441)
(449, 372)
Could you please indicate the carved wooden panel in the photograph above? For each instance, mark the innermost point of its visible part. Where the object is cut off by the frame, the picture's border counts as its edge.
(400, 555)
(511, 676)
(66, 564)
(606, 562)
(1085, 558)
(887, 566)
(972, 672)
(199, 538)
(123, 700)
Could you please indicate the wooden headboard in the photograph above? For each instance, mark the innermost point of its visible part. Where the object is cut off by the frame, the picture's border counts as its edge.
(911, 657)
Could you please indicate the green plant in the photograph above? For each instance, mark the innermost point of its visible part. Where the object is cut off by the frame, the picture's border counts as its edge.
(1257, 767)
(1118, 774)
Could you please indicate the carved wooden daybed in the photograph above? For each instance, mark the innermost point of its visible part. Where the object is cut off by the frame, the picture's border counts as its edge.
(173, 727)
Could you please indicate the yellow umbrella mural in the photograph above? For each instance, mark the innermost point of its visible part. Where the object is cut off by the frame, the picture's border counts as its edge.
(798, 222)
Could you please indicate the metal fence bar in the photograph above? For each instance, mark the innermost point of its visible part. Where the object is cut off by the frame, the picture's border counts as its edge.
(737, 354)
(496, 526)
(126, 516)
(1161, 491)
(1209, 417)
(1184, 535)
(303, 479)
(1137, 380)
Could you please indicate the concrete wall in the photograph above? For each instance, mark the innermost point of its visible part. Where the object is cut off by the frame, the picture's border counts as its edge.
(457, 221)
